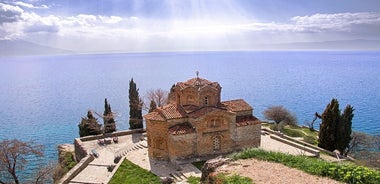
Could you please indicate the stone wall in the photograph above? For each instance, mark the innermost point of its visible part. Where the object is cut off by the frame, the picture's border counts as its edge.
(181, 146)
(157, 133)
(80, 150)
(206, 133)
(248, 136)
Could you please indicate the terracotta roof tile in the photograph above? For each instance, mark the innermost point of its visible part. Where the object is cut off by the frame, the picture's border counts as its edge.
(246, 123)
(204, 110)
(172, 111)
(181, 129)
(154, 116)
(237, 105)
(197, 82)
(246, 120)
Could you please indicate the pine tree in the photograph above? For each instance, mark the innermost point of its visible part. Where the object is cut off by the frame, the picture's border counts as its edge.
(135, 107)
(109, 122)
(152, 106)
(89, 126)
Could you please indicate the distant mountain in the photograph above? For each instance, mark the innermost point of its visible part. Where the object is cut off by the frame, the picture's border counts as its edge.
(359, 44)
(21, 48)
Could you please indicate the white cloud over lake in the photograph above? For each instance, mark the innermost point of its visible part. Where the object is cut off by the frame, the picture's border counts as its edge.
(97, 32)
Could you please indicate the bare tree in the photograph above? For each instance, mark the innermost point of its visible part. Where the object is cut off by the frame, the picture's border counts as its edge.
(280, 114)
(365, 149)
(159, 96)
(45, 174)
(13, 154)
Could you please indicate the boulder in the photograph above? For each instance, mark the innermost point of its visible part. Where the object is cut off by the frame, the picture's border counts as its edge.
(210, 167)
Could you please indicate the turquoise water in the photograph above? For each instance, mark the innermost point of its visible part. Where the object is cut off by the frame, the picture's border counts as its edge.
(44, 97)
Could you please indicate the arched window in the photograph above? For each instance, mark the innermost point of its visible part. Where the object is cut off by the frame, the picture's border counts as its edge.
(216, 142)
(214, 123)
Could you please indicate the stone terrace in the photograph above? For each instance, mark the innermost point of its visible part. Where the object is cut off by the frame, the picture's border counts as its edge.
(134, 148)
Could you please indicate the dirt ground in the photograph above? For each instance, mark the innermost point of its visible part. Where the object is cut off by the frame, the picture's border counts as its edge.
(267, 172)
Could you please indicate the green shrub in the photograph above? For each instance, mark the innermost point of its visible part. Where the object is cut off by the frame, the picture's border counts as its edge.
(346, 172)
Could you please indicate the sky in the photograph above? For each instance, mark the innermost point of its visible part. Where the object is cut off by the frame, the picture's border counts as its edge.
(185, 25)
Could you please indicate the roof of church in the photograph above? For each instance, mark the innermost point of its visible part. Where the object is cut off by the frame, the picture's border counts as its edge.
(155, 116)
(204, 110)
(183, 128)
(237, 105)
(197, 82)
(170, 111)
(174, 111)
(247, 120)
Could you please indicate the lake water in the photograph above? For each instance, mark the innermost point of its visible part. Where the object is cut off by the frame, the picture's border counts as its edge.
(44, 97)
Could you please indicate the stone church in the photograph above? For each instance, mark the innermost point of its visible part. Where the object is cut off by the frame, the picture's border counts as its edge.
(196, 123)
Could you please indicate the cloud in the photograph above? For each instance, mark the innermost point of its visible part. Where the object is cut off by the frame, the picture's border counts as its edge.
(9, 13)
(31, 6)
(335, 22)
(97, 32)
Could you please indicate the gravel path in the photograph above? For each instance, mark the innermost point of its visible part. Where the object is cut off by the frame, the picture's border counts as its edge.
(268, 172)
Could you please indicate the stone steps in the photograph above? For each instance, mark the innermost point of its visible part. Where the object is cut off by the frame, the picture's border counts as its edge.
(178, 176)
(134, 147)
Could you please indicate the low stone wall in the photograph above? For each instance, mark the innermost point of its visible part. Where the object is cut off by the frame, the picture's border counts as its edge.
(80, 150)
(76, 169)
(119, 133)
(299, 142)
(316, 153)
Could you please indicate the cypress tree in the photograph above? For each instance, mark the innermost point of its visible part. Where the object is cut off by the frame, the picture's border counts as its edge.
(336, 128)
(135, 107)
(328, 128)
(109, 122)
(345, 129)
(152, 106)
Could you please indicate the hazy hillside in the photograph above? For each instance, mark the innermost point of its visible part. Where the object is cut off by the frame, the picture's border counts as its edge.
(20, 48)
(359, 44)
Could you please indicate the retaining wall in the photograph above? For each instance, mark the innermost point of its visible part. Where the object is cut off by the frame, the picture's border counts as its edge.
(76, 169)
(299, 142)
(82, 156)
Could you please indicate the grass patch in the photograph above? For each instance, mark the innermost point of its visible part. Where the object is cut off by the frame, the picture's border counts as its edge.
(346, 172)
(199, 164)
(128, 172)
(232, 179)
(308, 136)
(194, 180)
(293, 132)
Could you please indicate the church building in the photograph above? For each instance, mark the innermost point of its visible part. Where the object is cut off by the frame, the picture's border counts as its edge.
(196, 123)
